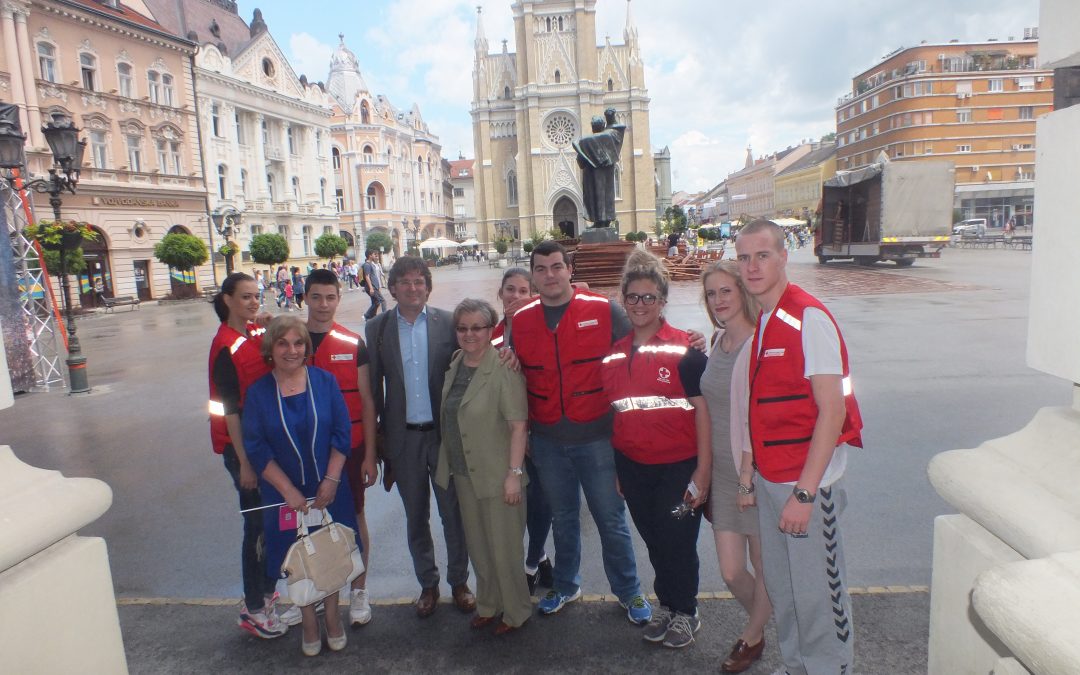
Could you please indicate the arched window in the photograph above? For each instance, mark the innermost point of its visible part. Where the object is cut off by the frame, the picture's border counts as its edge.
(335, 159)
(222, 180)
(322, 191)
(365, 113)
(560, 23)
(369, 155)
(296, 189)
(549, 24)
(419, 166)
(125, 80)
(88, 67)
(47, 61)
(511, 188)
(283, 230)
(506, 93)
(371, 198)
(558, 77)
(153, 85)
(610, 84)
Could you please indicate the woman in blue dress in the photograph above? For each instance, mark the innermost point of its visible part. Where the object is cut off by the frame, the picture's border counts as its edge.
(296, 432)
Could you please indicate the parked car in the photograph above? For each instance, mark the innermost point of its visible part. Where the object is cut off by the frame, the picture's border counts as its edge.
(976, 226)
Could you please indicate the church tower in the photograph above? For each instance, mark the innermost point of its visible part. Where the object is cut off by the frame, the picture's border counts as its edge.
(529, 106)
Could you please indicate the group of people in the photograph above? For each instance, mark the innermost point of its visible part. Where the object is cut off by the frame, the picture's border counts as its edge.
(509, 421)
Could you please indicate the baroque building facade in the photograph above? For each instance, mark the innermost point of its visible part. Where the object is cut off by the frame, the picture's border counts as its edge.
(126, 81)
(531, 104)
(387, 167)
(265, 134)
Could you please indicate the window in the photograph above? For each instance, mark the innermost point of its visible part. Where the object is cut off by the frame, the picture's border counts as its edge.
(98, 149)
(328, 229)
(318, 142)
(963, 148)
(1025, 83)
(47, 61)
(1027, 112)
(153, 85)
(163, 156)
(996, 84)
(618, 182)
(874, 102)
(134, 150)
(222, 181)
(963, 89)
(370, 198)
(296, 189)
(928, 149)
(265, 133)
(511, 188)
(283, 230)
(256, 229)
(335, 159)
(270, 185)
(268, 67)
(558, 77)
(167, 90)
(307, 239)
(995, 113)
(423, 202)
(291, 138)
(369, 155)
(419, 166)
(88, 67)
(125, 80)
(610, 84)
(365, 113)
(339, 198)
(459, 192)
(215, 119)
(322, 191)
(243, 183)
(963, 115)
(238, 121)
(506, 93)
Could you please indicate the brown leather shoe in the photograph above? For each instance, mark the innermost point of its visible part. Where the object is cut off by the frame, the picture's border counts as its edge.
(503, 628)
(427, 602)
(464, 599)
(742, 656)
(481, 621)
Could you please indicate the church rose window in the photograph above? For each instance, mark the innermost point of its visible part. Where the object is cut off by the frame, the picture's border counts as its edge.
(559, 130)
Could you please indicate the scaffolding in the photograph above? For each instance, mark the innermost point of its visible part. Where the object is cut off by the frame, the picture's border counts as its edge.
(35, 297)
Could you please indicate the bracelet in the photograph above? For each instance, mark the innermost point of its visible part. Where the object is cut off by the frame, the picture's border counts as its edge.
(746, 489)
(336, 480)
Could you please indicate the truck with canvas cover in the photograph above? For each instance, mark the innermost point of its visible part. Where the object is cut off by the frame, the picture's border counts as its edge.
(887, 210)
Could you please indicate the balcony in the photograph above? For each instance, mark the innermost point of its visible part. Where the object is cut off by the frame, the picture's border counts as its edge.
(274, 153)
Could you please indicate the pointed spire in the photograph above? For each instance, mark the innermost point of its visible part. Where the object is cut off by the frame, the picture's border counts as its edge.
(481, 43)
(630, 33)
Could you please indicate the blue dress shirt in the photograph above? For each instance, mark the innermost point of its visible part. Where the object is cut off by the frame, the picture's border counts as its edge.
(413, 338)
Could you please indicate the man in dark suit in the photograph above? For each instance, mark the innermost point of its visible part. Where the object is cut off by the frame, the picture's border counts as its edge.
(410, 349)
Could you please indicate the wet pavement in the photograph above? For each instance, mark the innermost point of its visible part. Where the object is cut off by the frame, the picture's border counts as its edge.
(938, 362)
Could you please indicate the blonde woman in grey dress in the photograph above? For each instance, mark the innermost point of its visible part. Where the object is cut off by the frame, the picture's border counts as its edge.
(725, 386)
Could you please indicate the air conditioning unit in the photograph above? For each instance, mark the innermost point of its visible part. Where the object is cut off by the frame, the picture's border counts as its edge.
(975, 169)
(1040, 79)
(941, 57)
(1016, 147)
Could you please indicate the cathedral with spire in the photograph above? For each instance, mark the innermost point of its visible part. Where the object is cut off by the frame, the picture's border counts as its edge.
(529, 106)
(389, 174)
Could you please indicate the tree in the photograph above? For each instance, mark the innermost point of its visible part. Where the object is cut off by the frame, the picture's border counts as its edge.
(76, 264)
(676, 219)
(330, 246)
(379, 241)
(269, 249)
(829, 137)
(501, 244)
(181, 251)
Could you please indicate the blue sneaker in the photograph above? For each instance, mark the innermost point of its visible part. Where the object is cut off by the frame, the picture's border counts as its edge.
(554, 601)
(638, 610)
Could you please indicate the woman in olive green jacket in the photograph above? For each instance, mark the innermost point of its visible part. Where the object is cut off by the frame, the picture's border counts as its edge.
(483, 422)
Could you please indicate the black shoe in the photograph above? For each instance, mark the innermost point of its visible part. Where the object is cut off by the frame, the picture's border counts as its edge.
(546, 573)
(531, 579)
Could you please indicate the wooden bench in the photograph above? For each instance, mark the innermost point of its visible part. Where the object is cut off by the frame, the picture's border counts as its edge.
(128, 300)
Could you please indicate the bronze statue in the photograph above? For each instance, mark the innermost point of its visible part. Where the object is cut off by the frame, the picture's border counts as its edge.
(597, 156)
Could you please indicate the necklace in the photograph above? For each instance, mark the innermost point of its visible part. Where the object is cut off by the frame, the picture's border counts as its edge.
(294, 385)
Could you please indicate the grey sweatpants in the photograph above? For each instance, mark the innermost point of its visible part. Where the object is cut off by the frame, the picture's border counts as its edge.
(807, 582)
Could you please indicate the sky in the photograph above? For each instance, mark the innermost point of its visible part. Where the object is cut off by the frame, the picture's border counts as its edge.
(723, 75)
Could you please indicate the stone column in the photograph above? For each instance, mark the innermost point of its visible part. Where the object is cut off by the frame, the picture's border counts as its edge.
(11, 54)
(261, 192)
(27, 50)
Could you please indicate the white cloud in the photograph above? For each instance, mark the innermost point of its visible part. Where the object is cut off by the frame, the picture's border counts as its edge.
(309, 56)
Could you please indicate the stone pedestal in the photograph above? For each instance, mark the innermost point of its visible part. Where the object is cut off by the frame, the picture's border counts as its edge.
(599, 235)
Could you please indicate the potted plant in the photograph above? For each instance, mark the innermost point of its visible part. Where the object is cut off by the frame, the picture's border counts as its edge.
(225, 250)
(60, 235)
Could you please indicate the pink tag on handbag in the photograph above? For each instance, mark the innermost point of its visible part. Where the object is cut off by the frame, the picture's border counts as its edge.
(286, 518)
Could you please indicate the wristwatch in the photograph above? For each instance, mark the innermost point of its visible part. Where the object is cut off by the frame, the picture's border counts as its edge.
(517, 470)
(804, 496)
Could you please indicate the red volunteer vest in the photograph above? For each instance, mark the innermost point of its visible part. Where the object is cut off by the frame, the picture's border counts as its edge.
(497, 334)
(246, 351)
(562, 367)
(782, 408)
(654, 421)
(337, 354)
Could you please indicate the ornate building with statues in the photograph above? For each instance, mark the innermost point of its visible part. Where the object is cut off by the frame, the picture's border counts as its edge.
(531, 104)
(389, 174)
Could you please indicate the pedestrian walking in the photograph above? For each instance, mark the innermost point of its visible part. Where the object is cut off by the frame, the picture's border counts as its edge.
(260, 283)
(298, 287)
(515, 292)
(803, 418)
(663, 457)
(560, 338)
(410, 352)
(344, 355)
(235, 363)
(373, 282)
(732, 501)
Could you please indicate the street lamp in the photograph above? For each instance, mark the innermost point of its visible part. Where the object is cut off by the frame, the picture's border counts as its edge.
(416, 234)
(63, 138)
(227, 224)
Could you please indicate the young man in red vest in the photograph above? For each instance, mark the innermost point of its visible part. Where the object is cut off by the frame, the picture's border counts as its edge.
(344, 354)
(803, 418)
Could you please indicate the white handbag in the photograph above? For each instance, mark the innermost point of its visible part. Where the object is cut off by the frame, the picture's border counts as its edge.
(321, 562)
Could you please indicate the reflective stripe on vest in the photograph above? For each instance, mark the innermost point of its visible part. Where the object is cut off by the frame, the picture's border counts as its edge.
(614, 357)
(217, 408)
(661, 349)
(347, 338)
(236, 345)
(650, 403)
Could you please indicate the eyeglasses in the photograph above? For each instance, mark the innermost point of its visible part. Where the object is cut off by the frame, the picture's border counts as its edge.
(647, 299)
(471, 329)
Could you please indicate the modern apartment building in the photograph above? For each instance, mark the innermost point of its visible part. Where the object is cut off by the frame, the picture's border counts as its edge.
(972, 102)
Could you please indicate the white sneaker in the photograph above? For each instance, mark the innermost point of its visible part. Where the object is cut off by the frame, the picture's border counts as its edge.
(290, 615)
(359, 608)
(263, 624)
